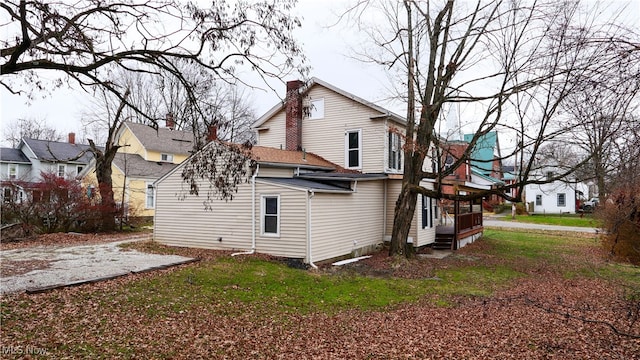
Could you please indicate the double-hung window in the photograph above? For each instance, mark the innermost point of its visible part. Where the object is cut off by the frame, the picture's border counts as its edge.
(395, 151)
(13, 171)
(151, 198)
(62, 169)
(429, 212)
(270, 215)
(353, 149)
(562, 200)
(538, 200)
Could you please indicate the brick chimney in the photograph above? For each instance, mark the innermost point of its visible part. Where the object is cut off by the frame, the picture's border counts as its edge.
(212, 133)
(169, 123)
(293, 104)
(72, 138)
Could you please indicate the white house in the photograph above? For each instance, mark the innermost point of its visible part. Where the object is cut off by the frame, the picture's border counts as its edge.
(557, 197)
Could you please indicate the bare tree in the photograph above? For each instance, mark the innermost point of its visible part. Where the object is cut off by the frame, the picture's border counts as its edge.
(512, 61)
(87, 42)
(30, 128)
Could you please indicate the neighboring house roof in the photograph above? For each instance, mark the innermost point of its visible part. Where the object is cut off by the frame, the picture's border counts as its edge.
(479, 173)
(163, 139)
(12, 155)
(315, 81)
(135, 166)
(307, 184)
(268, 155)
(349, 176)
(55, 151)
(484, 151)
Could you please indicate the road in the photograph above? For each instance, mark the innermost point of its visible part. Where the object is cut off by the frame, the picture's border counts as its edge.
(522, 225)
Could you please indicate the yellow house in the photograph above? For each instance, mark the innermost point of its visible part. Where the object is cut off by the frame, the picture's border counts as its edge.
(145, 155)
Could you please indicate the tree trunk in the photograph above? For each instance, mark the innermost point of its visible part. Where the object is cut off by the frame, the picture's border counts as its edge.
(402, 219)
(107, 202)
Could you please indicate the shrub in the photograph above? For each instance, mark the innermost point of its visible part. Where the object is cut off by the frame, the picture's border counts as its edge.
(51, 205)
(620, 216)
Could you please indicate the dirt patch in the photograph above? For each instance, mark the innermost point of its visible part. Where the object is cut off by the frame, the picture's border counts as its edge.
(13, 267)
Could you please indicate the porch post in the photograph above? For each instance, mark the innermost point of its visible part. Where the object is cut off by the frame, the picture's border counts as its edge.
(456, 230)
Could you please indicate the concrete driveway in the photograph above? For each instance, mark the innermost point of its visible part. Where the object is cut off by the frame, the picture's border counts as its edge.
(42, 268)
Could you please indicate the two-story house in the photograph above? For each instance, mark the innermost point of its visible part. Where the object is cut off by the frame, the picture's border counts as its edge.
(145, 155)
(32, 157)
(329, 171)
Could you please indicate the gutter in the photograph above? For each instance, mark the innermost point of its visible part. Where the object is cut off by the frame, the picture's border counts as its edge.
(310, 194)
(253, 215)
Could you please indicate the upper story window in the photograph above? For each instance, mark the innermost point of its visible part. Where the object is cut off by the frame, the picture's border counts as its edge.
(62, 169)
(166, 157)
(316, 108)
(353, 149)
(550, 175)
(13, 171)
(395, 151)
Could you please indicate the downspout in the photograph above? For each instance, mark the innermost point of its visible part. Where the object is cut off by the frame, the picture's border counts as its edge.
(253, 214)
(309, 196)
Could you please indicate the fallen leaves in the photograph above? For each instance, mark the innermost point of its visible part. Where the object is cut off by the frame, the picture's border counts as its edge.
(525, 320)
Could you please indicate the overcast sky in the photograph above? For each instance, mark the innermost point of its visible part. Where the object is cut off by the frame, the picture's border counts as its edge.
(327, 49)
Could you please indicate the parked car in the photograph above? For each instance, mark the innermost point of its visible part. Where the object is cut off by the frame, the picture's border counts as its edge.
(590, 204)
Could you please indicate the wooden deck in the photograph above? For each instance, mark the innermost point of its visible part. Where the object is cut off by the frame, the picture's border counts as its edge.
(465, 225)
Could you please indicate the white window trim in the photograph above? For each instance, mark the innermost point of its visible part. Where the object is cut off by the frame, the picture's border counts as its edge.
(9, 171)
(146, 196)
(169, 157)
(346, 149)
(558, 199)
(394, 135)
(64, 172)
(316, 114)
(263, 209)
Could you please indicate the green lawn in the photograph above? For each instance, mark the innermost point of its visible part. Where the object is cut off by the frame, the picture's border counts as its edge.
(565, 220)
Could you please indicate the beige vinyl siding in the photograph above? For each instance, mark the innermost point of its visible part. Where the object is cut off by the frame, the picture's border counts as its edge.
(357, 222)
(275, 136)
(187, 223)
(265, 171)
(292, 241)
(427, 235)
(393, 190)
(326, 136)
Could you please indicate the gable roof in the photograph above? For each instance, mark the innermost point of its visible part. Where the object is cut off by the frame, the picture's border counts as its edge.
(163, 139)
(315, 81)
(13, 156)
(56, 151)
(305, 184)
(137, 167)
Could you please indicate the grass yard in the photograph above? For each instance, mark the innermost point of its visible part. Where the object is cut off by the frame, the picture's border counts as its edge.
(556, 219)
(510, 294)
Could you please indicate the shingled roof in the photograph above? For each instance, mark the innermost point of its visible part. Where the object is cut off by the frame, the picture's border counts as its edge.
(56, 151)
(263, 154)
(136, 166)
(162, 139)
(13, 156)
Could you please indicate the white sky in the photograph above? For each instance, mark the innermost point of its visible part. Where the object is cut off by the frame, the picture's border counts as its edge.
(326, 48)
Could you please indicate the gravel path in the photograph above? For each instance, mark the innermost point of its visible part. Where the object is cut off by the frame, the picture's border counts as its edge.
(41, 268)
